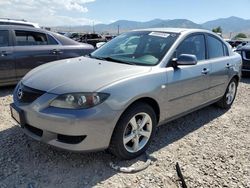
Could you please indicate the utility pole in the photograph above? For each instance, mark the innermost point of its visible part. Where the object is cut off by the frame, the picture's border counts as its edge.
(93, 27)
(118, 29)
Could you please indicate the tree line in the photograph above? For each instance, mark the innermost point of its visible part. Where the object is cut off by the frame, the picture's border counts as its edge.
(218, 30)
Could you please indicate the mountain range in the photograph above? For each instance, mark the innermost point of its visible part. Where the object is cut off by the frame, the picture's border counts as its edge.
(228, 25)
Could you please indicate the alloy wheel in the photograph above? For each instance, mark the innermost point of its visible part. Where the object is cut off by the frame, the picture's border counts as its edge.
(137, 132)
(231, 93)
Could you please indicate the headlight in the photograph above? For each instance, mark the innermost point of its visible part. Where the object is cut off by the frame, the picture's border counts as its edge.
(79, 100)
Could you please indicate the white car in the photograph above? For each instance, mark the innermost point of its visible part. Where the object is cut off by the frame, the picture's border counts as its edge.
(7, 21)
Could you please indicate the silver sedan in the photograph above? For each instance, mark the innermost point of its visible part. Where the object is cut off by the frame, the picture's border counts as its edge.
(117, 96)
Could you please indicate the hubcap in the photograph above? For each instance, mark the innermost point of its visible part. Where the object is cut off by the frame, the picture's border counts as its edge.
(231, 93)
(137, 132)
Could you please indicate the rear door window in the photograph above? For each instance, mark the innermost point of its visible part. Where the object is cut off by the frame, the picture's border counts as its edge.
(4, 38)
(30, 38)
(215, 48)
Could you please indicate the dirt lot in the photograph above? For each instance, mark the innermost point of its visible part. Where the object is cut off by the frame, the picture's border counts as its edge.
(211, 145)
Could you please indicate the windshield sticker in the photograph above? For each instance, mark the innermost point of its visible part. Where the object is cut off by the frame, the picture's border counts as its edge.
(159, 34)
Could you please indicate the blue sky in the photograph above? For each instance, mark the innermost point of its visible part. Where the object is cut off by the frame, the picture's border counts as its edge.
(82, 12)
(143, 10)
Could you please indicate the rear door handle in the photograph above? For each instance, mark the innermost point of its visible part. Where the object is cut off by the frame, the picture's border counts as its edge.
(5, 53)
(205, 71)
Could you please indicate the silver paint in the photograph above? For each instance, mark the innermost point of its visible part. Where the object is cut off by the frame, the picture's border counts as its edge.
(176, 91)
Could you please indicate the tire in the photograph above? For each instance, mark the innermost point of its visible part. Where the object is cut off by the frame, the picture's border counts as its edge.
(133, 132)
(225, 102)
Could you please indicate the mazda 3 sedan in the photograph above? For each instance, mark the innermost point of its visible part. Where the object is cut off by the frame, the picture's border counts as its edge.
(116, 97)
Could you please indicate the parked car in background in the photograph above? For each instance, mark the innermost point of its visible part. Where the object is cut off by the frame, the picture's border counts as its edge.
(99, 44)
(244, 51)
(116, 97)
(74, 35)
(241, 45)
(109, 37)
(24, 48)
(92, 39)
(61, 33)
(8, 21)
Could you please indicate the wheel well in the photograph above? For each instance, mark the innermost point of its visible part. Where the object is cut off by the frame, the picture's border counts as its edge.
(151, 102)
(237, 78)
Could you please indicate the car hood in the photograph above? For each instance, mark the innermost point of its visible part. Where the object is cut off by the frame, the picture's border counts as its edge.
(79, 75)
(244, 48)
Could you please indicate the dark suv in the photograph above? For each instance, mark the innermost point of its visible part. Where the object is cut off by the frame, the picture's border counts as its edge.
(92, 39)
(23, 48)
(245, 54)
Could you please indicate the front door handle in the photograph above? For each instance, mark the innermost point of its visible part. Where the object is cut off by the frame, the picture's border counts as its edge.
(229, 65)
(56, 51)
(205, 71)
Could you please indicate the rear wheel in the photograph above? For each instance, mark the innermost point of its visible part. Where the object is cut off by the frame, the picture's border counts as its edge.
(228, 98)
(133, 132)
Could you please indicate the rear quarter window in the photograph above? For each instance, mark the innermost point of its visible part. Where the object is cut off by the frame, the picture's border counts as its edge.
(64, 40)
(51, 40)
(226, 53)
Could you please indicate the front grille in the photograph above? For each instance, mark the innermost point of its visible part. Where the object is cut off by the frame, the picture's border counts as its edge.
(28, 95)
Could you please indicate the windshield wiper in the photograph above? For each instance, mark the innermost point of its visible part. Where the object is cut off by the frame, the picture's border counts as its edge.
(111, 59)
(118, 60)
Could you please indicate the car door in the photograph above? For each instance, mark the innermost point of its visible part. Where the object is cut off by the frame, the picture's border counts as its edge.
(220, 66)
(7, 61)
(32, 49)
(65, 52)
(188, 85)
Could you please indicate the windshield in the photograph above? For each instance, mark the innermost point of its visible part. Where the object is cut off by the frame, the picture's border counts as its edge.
(138, 47)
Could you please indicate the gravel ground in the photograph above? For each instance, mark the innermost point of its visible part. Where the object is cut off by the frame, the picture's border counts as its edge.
(211, 145)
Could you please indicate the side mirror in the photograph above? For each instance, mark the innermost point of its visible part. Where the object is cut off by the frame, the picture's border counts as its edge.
(185, 59)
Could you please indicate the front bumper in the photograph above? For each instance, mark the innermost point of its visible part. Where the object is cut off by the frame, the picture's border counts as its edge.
(74, 130)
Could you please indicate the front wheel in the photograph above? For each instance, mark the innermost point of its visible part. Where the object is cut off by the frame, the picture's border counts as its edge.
(134, 131)
(229, 96)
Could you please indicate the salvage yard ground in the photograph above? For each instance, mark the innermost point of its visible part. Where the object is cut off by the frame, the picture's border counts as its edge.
(211, 145)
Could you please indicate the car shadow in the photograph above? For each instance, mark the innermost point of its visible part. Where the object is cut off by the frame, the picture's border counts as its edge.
(245, 80)
(25, 161)
(179, 128)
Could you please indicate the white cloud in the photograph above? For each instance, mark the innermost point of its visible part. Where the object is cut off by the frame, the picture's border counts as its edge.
(47, 12)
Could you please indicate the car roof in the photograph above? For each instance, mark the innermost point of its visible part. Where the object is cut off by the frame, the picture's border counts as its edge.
(20, 27)
(13, 21)
(174, 30)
